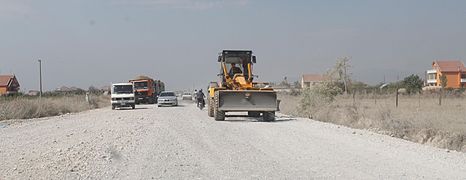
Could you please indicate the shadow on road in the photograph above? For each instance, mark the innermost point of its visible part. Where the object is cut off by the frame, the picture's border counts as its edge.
(127, 109)
(169, 106)
(284, 119)
(245, 118)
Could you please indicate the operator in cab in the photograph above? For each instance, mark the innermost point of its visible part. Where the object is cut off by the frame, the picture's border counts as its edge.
(234, 70)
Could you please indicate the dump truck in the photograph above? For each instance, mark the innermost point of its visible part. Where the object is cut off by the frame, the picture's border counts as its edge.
(236, 90)
(147, 89)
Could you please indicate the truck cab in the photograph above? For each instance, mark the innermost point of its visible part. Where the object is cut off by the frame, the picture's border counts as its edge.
(146, 89)
(123, 95)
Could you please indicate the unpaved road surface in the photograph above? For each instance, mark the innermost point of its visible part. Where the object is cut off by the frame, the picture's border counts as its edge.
(183, 143)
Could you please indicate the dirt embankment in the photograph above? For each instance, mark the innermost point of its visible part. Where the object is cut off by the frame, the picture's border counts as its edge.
(419, 119)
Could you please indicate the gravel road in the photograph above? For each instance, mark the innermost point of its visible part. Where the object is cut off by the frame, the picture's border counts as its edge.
(184, 143)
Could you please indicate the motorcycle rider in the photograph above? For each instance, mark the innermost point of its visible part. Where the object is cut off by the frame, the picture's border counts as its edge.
(200, 97)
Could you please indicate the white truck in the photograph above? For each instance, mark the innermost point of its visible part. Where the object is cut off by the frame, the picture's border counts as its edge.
(123, 95)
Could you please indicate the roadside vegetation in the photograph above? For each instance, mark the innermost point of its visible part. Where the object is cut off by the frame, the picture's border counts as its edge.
(26, 107)
(427, 117)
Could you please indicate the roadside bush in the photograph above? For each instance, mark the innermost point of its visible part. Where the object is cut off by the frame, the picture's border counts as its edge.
(295, 92)
(317, 98)
(27, 107)
(413, 84)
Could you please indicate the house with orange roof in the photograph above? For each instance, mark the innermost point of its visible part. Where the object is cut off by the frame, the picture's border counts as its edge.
(8, 85)
(454, 70)
(310, 80)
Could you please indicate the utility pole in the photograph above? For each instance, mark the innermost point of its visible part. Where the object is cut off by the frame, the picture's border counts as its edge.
(40, 78)
(344, 75)
(397, 89)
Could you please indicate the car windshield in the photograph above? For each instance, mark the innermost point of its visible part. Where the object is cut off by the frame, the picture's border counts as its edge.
(165, 94)
(140, 85)
(122, 89)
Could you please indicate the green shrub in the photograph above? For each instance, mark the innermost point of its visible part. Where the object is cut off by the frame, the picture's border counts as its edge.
(315, 98)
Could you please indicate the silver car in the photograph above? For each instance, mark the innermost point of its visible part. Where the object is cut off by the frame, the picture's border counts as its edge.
(167, 98)
(187, 96)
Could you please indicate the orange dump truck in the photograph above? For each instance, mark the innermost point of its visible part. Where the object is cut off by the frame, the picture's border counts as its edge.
(147, 89)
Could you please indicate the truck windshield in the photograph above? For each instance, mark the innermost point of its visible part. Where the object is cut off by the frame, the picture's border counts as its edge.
(140, 85)
(123, 89)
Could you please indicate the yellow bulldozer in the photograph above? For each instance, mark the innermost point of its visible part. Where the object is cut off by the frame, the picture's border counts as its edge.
(236, 90)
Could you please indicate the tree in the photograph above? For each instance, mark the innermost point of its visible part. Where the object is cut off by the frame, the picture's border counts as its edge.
(339, 72)
(443, 80)
(443, 83)
(412, 83)
(297, 85)
(285, 83)
(357, 85)
(93, 90)
(319, 96)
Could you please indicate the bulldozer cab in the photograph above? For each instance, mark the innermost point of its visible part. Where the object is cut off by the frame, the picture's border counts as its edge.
(236, 64)
(236, 56)
(237, 68)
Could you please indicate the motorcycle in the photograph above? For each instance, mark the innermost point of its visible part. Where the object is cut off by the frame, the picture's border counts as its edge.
(201, 104)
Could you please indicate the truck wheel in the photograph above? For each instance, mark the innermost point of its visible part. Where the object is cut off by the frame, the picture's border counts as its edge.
(210, 108)
(218, 115)
(254, 114)
(133, 106)
(268, 116)
(113, 107)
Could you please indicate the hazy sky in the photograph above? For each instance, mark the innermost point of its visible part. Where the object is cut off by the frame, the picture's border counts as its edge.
(96, 42)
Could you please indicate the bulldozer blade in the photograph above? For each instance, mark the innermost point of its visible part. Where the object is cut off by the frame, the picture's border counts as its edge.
(247, 100)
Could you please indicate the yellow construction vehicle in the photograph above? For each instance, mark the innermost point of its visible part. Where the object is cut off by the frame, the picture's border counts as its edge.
(236, 90)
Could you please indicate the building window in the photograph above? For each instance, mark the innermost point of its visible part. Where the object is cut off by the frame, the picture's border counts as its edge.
(432, 76)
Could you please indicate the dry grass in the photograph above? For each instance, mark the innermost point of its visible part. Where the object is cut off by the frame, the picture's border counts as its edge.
(27, 107)
(417, 118)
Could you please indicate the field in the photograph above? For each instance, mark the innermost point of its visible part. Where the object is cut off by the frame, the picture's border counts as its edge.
(418, 118)
(23, 107)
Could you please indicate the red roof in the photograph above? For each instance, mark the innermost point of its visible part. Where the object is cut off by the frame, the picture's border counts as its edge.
(313, 78)
(449, 65)
(5, 79)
